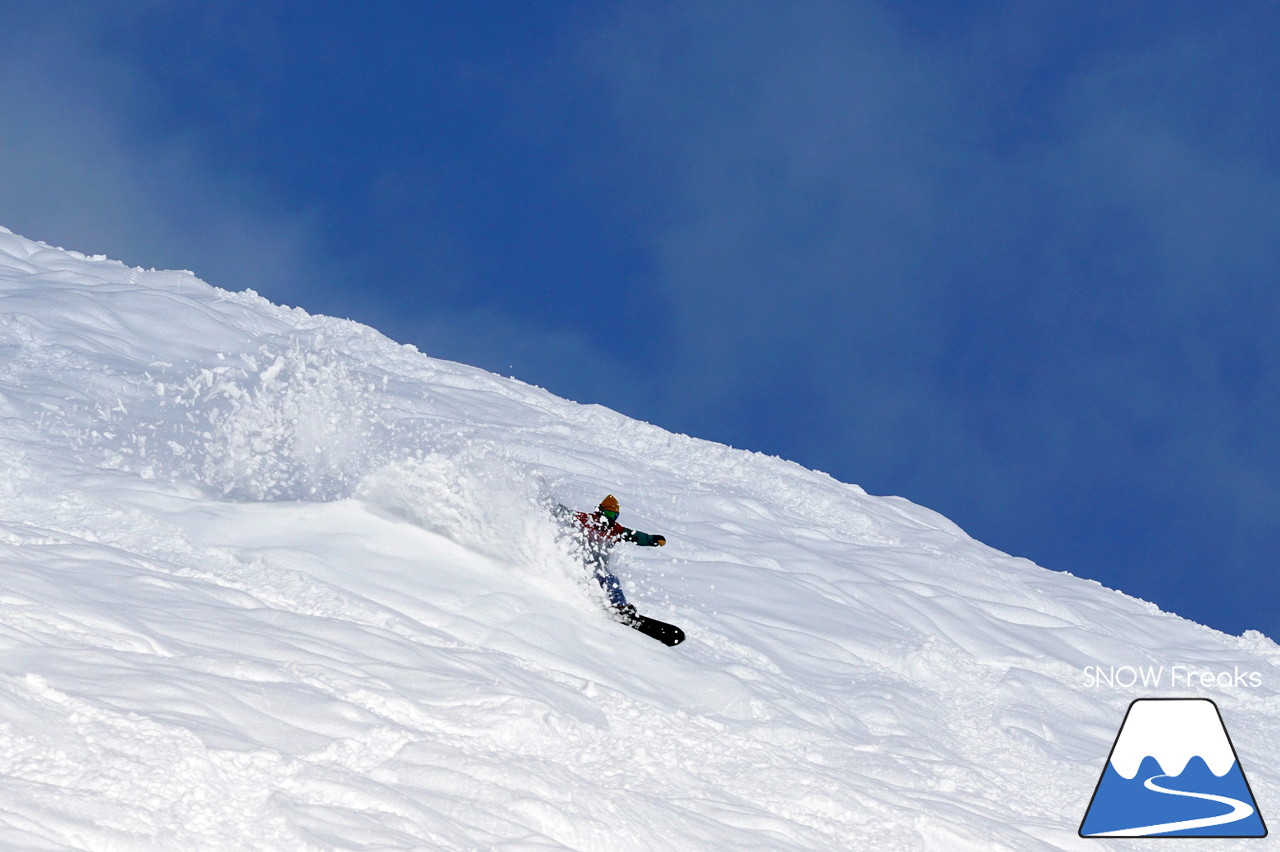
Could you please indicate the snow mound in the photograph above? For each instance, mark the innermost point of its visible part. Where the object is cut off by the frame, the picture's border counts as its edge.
(270, 580)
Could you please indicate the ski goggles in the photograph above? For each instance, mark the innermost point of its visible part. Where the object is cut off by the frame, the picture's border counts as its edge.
(612, 516)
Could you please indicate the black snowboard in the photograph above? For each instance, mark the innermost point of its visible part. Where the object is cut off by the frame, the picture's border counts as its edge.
(667, 634)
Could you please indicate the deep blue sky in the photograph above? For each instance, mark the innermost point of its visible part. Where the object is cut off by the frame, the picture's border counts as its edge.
(1013, 261)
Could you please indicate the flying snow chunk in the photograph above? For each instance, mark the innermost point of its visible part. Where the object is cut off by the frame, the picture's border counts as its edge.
(1173, 772)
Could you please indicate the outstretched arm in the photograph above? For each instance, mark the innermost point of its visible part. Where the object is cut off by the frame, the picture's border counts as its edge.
(644, 539)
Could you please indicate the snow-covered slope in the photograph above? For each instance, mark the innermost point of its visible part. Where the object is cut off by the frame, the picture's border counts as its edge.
(271, 581)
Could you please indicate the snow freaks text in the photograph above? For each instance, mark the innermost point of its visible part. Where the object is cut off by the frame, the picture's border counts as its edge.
(1171, 677)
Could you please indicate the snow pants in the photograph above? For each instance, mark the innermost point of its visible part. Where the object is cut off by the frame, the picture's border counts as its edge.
(599, 565)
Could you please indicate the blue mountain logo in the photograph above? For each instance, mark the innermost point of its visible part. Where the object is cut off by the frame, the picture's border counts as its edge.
(1173, 772)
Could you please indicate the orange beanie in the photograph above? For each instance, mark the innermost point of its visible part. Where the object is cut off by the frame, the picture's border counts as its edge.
(609, 504)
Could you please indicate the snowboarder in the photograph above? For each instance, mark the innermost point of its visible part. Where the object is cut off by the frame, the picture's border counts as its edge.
(597, 533)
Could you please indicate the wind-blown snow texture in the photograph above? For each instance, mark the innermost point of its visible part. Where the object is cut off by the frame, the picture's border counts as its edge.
(271, 581)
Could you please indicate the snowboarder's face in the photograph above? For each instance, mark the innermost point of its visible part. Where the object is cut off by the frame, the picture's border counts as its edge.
(612, 517)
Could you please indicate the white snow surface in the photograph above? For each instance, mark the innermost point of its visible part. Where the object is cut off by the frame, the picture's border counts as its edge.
(270, 580)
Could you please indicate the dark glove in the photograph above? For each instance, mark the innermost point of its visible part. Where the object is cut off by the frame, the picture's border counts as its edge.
(660, 541)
